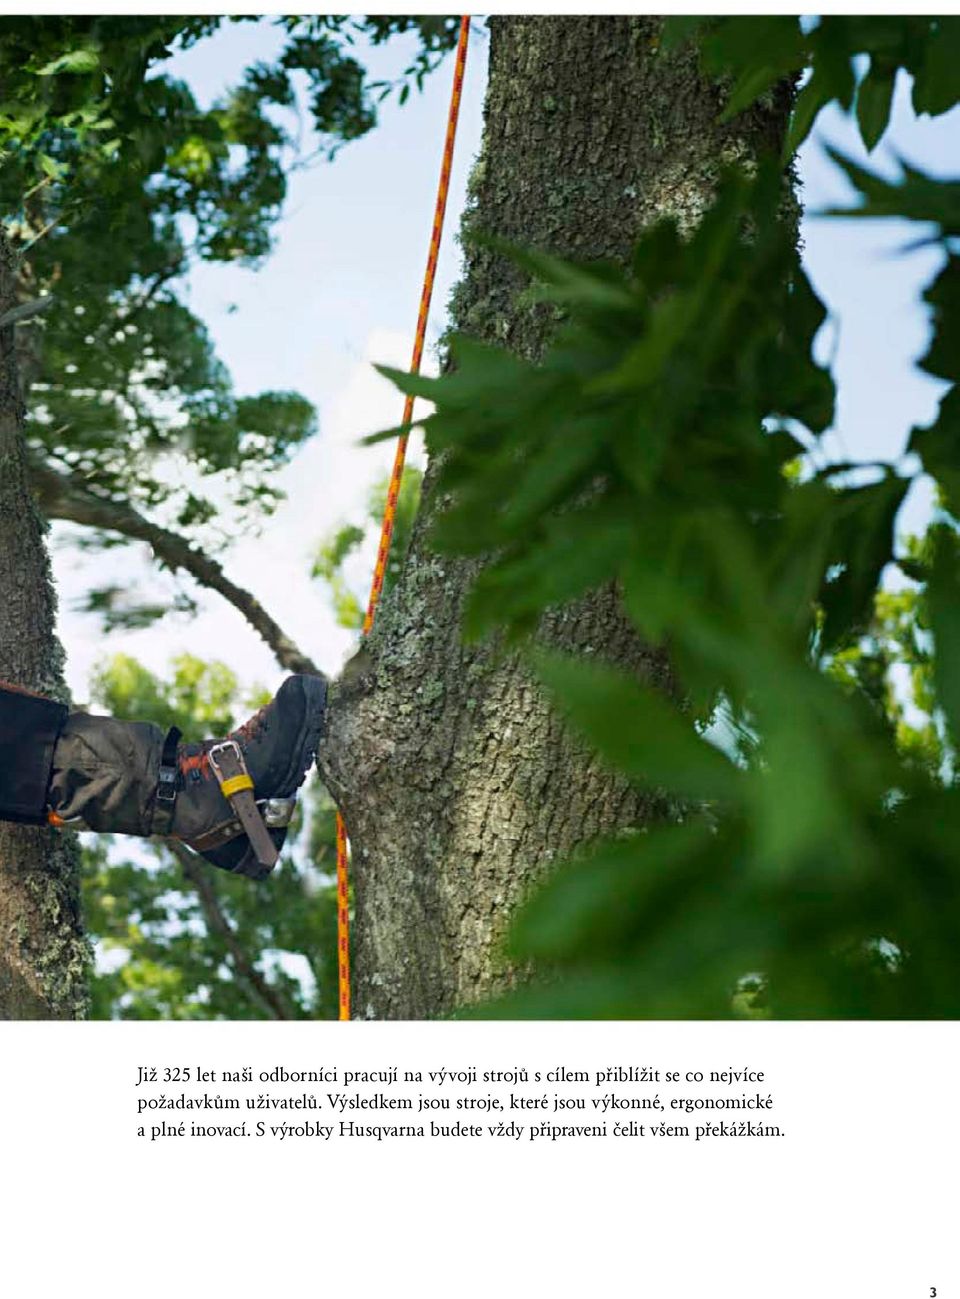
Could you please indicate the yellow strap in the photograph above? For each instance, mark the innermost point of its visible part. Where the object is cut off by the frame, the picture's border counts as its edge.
(235, 784)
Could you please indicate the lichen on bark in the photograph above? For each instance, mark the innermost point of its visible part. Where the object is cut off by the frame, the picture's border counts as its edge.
(459, 785)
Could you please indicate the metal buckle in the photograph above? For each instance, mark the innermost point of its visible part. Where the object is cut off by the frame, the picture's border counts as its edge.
(277, 812)
(167, 785)
(220, 748)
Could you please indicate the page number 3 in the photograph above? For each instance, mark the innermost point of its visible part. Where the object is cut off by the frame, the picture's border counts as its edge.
(933, 1292)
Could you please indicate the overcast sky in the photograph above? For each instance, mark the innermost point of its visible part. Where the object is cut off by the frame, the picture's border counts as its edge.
(341, 290)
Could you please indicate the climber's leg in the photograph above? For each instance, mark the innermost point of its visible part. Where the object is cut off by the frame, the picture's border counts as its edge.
(131, 778)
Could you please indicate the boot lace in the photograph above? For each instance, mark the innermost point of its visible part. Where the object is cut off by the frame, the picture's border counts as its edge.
(197, 764)
(251, 729)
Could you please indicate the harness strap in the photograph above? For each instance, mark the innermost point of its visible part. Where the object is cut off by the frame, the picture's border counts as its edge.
(277, 814)
(168, 782)
(228, 765)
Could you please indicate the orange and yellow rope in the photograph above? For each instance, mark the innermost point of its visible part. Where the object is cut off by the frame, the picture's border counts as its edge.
(393, 491)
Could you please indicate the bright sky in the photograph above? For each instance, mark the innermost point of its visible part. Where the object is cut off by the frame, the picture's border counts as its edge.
(341, 292)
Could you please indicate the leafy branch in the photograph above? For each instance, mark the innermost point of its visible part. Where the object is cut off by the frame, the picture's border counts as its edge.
(661, 446)
(755, 53)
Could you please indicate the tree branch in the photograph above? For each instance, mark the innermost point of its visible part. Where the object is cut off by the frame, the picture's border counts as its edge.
(197, 873)
(24, 310)
(63, 498)
(162, 278)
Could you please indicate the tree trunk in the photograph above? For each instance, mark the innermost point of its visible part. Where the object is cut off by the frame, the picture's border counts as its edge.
(458, 785)
(43, 955)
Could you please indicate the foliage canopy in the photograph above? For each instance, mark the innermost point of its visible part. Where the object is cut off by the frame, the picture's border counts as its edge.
(114, 181)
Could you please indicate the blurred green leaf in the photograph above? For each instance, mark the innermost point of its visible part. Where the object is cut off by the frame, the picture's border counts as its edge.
(943, 595)
(657, 450)
(916, 197)
(935, 82)
(756, 54)
(79, 61)
(637, 730)
(874, 100)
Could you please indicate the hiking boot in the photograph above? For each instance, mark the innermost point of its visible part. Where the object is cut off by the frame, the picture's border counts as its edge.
(129, 778)
(278, 746)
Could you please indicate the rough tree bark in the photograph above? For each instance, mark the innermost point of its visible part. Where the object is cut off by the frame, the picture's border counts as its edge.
(458, 785)
(43, 955)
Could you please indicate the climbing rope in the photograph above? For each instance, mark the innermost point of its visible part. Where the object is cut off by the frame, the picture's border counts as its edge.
(393, 490)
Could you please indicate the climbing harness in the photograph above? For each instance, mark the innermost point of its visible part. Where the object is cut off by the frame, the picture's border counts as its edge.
(167, 779)
(393, 491)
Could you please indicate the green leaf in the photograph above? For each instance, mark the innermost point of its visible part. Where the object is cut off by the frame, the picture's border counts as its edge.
(678, 29)
(575, 554)
(748, 88)
(832, 47)
(600, 900)
(560, 280)
(916, 197)
(943, 598)
(874, 98)
(757, 51)
(50, 167)
(939, 448)
(863, 540)
(942, 357)
(537, 483)
(73, 61)
(637, 729)
(413, 385)
(936, 83)
(804, 391)
(814, 96)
